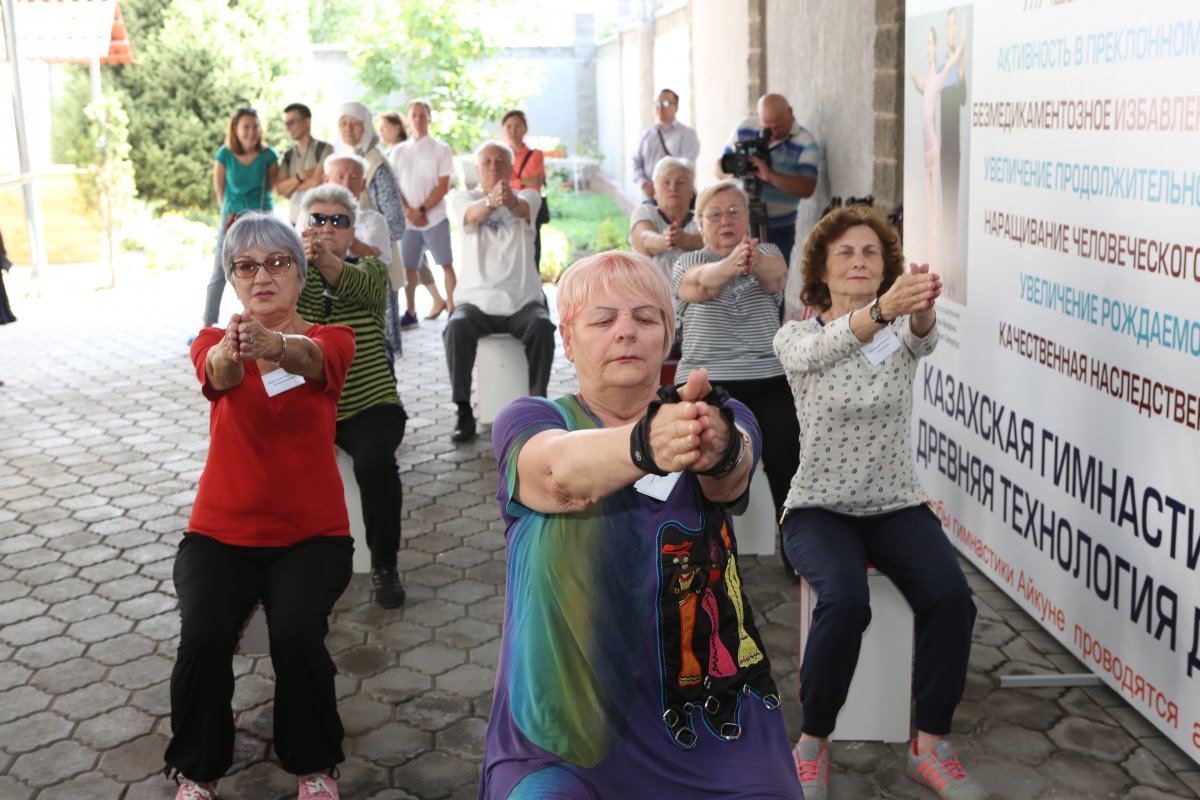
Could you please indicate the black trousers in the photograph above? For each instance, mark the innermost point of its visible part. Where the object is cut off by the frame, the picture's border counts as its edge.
(468, 324)
(771, 401)
(217, 585)
(371, 438)
(831, 551)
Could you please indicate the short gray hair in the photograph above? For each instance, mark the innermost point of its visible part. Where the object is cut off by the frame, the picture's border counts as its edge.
(331, 193)
(728, 185)
(267, 232)
(357, 159)
(672, 164)
(508, 153)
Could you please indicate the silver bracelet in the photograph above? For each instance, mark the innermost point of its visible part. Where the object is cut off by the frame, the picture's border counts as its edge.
(279, 361)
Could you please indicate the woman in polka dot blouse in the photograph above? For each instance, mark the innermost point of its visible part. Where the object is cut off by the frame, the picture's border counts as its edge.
(856, 499)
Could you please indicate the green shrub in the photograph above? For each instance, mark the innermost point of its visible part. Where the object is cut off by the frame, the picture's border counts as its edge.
(171, 241)
(556, 253)
(590, 222)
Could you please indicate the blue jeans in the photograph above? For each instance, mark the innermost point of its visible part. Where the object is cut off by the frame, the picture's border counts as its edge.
(831, 552)
(216, 284)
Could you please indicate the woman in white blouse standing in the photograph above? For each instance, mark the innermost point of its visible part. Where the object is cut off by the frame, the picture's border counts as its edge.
(856, 497)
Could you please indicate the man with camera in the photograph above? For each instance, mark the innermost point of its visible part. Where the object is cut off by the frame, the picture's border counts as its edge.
(667, 137)
(776, 160)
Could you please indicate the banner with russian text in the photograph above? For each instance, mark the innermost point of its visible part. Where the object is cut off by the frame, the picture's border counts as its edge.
(1052, 177)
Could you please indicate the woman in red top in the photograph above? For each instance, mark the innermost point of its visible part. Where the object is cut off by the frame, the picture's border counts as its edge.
(269, 523)
(529, 169)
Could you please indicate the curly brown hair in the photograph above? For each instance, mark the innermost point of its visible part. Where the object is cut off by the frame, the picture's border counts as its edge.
(815, 292)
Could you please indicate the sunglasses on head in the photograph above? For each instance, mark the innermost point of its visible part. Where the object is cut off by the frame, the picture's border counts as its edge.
(318, 220)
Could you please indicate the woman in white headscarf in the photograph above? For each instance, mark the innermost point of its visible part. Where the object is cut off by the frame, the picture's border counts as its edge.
(381, 193)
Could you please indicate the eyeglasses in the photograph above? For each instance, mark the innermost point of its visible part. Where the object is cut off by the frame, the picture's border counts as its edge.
(662, 103)
(733, 214)
(316, 220)
(275, 265)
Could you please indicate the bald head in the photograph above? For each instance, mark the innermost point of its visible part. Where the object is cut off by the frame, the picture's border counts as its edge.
(775, 115)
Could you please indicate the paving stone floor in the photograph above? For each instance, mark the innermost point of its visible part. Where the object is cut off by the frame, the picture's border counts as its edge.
(102, 440)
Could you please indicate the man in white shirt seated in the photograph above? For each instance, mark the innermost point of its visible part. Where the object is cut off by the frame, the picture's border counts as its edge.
(371, 238)
(499, 290)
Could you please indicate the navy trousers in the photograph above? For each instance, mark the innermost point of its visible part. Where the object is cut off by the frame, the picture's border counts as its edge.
(831, 552)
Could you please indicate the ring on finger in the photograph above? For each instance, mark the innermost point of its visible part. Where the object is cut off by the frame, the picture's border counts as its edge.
(249, 338)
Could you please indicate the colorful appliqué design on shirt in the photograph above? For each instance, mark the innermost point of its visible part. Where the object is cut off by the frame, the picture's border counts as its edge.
(709, 651)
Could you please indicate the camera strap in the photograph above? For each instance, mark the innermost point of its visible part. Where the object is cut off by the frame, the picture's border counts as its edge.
(662, 140)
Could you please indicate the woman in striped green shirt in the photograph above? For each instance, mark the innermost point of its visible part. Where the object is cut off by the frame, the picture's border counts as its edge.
(345, 290)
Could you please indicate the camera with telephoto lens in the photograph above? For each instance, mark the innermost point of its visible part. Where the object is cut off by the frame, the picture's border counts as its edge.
(738, 162)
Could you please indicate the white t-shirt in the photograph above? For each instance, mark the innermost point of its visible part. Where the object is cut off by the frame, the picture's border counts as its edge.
(496, 272)
(419, 164)
(370, 227)
(647, 212)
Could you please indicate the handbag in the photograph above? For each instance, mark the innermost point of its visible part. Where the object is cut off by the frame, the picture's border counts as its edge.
(543, 214)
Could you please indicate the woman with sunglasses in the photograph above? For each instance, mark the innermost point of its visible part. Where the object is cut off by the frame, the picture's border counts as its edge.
(728, 296)
(244, 170)
(269, 522)
(345, 290)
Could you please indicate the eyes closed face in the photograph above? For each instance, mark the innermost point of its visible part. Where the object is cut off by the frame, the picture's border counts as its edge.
(617, 341)
(854, 266)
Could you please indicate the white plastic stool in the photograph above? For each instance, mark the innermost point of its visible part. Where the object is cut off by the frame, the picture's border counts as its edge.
(255, 641)
(501, 375)
(358, 531)
(758, 528)
(879, 705)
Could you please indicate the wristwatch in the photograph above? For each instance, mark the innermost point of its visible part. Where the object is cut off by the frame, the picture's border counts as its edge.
(877, 314)
(422, 209)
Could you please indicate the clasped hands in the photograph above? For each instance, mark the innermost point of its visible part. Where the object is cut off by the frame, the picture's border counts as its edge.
(744, 258)
(671, 236)
(913, 292)
(690, 434)
(415, 216)
(502, 195)
(247, 339)
(316, 249)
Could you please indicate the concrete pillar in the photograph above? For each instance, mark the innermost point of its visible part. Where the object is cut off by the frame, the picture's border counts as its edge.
(756, 56)
(587, 119)
(888, 178)
(647, 90)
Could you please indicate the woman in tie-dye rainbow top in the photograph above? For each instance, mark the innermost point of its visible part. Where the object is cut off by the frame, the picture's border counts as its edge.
(631, 663)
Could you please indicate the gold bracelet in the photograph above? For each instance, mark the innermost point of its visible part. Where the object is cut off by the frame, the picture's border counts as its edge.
(279, 361)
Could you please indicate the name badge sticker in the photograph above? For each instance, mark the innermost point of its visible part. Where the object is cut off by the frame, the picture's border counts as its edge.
(881, 347)
(279, 381)
(657, 486)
